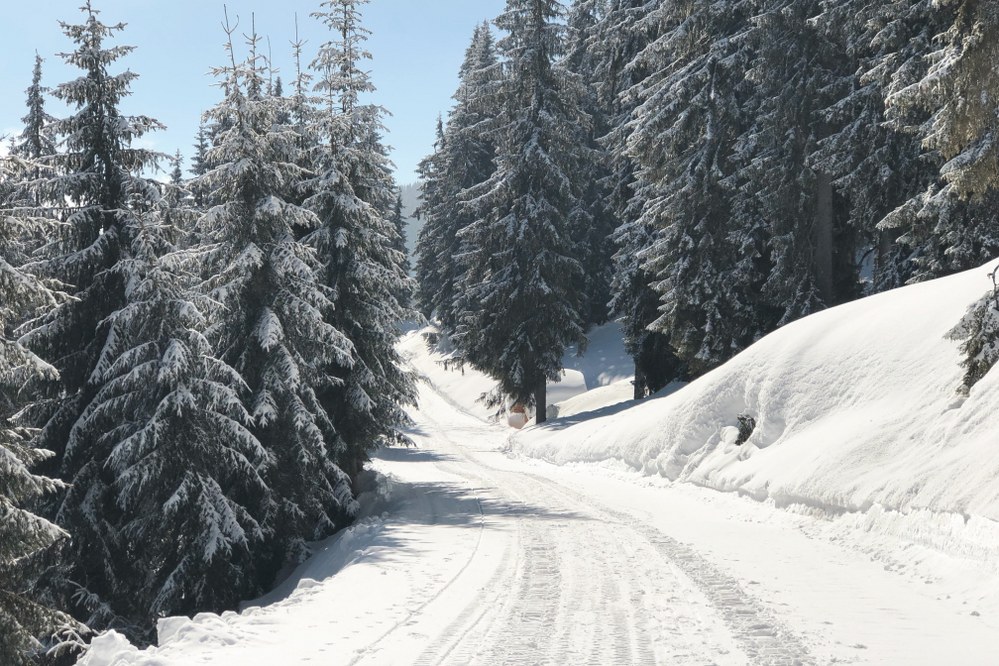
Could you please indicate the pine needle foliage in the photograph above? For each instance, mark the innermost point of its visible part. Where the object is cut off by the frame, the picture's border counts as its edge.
(269, 320)
(523, 280)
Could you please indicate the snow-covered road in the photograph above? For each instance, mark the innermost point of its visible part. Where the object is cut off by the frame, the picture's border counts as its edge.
(475, 556)
(580, 566)
(556, 575)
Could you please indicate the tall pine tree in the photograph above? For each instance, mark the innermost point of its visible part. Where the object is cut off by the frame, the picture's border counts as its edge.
(789, 71)
(352, 197)
(464, 157)
(689, 116)
(25, 537)
(188, 493)
(270, 320)
(593, 219)
(36, 138)
(435, 263)
(873, 157)
(522, 277)
(623, 33)
(96, 191)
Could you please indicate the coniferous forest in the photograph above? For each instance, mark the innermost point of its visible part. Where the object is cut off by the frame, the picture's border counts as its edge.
(194, 371)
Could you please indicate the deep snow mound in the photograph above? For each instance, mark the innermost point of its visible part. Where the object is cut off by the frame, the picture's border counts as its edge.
(854, 407)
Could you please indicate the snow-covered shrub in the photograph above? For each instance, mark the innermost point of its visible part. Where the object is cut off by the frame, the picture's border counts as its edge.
(979, 330)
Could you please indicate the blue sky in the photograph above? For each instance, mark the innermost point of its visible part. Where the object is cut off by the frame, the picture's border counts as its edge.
(417, 47)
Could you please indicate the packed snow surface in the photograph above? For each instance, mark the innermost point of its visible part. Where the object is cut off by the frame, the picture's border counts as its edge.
(859, 527)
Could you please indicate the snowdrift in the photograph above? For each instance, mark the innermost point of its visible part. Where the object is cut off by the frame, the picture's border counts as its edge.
(856, 410)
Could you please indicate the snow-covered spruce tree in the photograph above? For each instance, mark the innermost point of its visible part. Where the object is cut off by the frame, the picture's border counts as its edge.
(177, 172)
(689, 116)
(875, 158)
(979, 333)
(178, 207)
(593, 220)
(199, 162)
(199, 166)
(811, 262)
(24, 535)
(523, 280)
(270, 319)
(961, 90)
(951, 226)
(302, 114)
(36, 137)
(620, 36)
(464, 157)
(170, 429)
(352, 197)
(34, 142)
(431, 273)
(405, 297)
(94, 192)
(296, 113)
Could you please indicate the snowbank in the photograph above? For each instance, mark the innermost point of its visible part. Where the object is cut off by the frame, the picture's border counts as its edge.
(855, 407)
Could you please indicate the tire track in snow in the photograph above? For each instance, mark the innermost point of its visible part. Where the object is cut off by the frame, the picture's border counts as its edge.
(574, 596)
(523, 634)
(762, 636)
(463, 637)
(524, 614)
(596, 612)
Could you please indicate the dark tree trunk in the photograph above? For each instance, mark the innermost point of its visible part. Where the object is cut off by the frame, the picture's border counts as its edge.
(639, 383)
(824, 237)
(540, 398)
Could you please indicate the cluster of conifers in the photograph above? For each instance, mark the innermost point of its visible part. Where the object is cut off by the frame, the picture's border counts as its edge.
(705, 172)
(191, 373)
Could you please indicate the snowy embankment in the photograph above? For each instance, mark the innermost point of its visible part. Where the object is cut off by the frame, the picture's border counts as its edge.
(856, 411)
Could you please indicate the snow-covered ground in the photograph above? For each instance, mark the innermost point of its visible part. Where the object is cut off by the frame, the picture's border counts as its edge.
(858, 527)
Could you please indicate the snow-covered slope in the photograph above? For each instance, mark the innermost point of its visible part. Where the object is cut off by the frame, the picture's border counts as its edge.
(856, 410)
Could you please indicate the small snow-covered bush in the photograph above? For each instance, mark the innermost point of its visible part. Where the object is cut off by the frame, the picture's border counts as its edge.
(979, 330)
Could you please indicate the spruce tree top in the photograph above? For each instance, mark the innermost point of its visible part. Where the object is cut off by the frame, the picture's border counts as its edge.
(99, 157)
(36, 139)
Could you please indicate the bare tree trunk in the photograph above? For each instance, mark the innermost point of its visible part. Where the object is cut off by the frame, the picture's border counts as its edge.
(540, 398)
(639, 383)
(824, 236)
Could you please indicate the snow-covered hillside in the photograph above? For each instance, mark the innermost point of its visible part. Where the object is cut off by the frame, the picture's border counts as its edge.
(856, 410)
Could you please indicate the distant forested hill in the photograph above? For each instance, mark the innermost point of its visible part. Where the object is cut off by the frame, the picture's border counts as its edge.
(410, 200)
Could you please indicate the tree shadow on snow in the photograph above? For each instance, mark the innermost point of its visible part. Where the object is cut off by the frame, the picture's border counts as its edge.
(561, 423)
(393, 539)
(410, 454)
